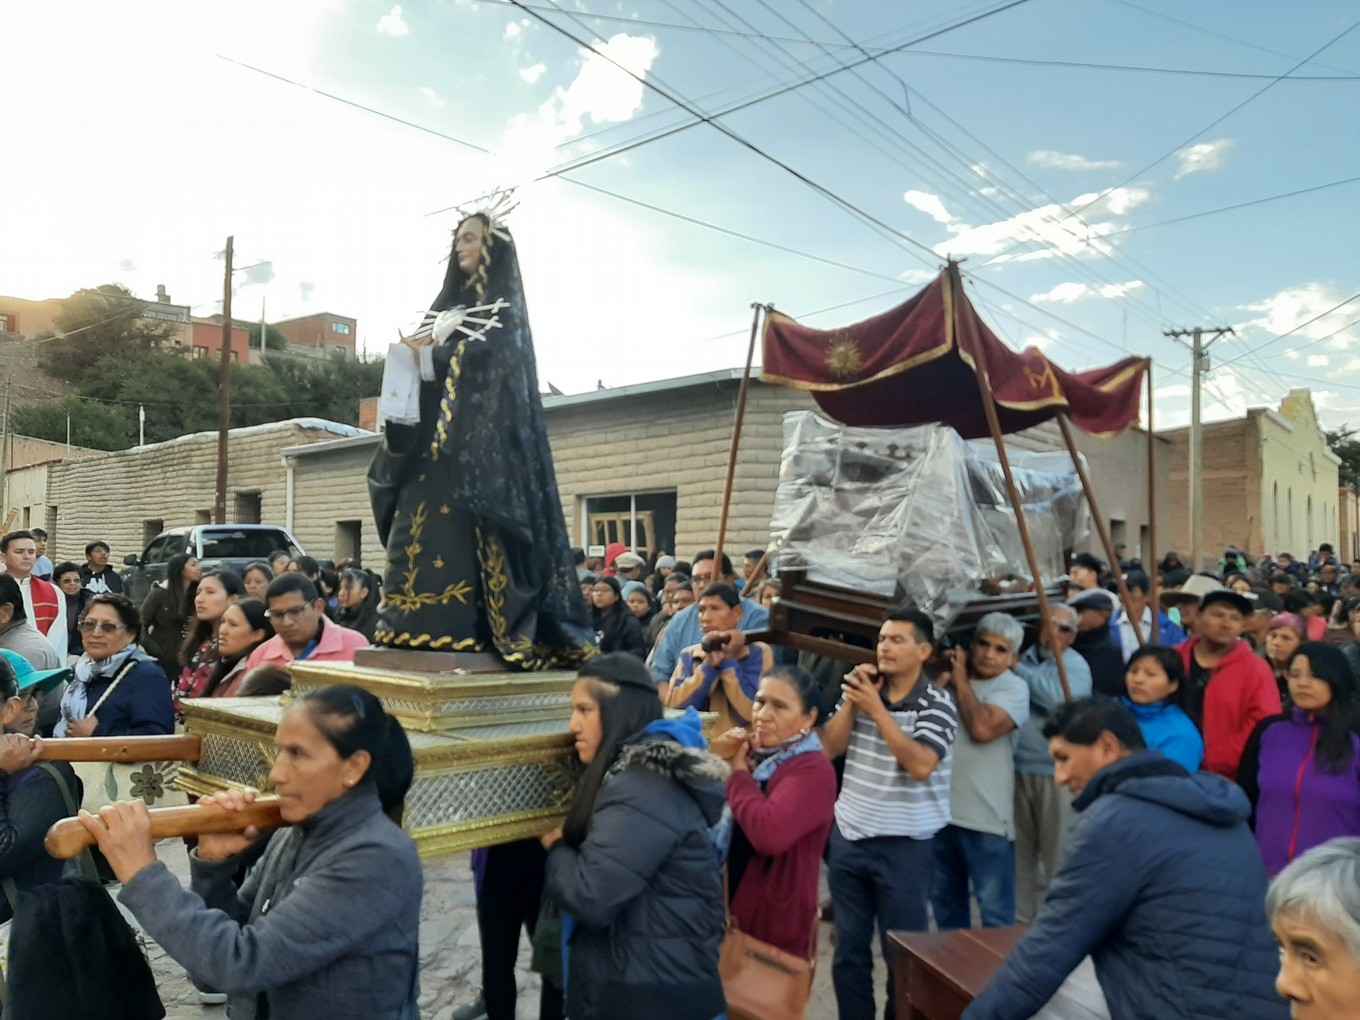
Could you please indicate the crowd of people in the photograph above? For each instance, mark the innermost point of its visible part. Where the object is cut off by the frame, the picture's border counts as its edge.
(1130, 779)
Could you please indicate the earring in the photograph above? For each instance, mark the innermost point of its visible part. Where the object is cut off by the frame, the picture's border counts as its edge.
(803, 732)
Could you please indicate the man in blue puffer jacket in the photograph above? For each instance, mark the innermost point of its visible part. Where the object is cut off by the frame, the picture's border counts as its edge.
(1162, 885)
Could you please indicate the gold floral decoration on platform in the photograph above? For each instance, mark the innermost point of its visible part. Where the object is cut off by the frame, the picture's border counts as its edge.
(843, 357)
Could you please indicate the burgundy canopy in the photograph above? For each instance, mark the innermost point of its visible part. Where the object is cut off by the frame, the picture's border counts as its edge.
(920, 363)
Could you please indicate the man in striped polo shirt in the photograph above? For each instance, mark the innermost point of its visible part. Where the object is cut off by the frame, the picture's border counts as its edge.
(896, 731)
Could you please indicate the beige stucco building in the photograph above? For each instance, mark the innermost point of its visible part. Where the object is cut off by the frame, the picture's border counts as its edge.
(1270, 483)
(1348, 517)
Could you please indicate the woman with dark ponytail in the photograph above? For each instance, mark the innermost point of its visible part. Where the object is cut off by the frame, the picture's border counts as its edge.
(634, 869)
(327, 922)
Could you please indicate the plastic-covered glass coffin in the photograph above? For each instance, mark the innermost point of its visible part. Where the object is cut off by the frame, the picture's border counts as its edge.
(918, 515)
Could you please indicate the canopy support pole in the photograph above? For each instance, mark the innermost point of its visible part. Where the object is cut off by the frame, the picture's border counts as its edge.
(984, 381)
(736, 441)
(1152, 565)
(1103, 530)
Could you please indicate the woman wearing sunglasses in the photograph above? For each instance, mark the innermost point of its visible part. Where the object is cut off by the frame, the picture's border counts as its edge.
(118, 690)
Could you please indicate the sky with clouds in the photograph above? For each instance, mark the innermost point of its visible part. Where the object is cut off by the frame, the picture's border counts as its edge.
(1107, 169)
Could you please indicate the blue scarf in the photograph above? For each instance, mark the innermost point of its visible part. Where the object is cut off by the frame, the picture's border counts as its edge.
(766, 762)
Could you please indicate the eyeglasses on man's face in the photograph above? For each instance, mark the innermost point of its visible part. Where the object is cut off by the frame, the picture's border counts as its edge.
(283, 615)
(100, 626)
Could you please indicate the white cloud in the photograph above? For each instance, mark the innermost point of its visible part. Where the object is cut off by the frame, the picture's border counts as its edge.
(917, 275)
(600, 93)
(391, 23)
(532, 74)
(931, 205)
(1286, 311)
(1049, 230)
(1043, 341)
(1203, 157)
(1048, 159)
(431, 96)
(1069, 293)
(512, 30)
(1224, 397)
(1318, 361)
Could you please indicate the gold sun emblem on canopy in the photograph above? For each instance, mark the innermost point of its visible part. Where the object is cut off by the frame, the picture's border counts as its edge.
(842, 357)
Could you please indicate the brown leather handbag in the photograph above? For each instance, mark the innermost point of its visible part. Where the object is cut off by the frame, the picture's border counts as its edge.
(761, 981)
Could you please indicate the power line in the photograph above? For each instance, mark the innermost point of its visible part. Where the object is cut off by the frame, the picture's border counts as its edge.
(1086, 65)
(1291, 332)
(1075, 64)
(1231, 208)
(1218, 35)
(1212, 124)
(643, 22)
(698, 117)
(964, 159)
(684, 104)
(358, 106)
(727, 230)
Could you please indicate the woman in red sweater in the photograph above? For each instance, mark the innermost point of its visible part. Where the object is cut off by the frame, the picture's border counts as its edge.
(782, 793)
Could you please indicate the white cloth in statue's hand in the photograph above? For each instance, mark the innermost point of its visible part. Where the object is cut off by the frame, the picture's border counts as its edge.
(400, 399)
(446, 323)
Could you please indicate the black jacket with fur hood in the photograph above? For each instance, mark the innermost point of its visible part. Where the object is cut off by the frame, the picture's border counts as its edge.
(645, 889)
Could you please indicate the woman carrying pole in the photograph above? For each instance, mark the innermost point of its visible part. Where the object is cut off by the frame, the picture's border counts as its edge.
(326, 924)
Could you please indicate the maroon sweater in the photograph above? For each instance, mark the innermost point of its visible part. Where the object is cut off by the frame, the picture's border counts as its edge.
(787, 825)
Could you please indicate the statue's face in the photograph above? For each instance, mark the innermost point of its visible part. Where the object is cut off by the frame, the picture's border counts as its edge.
(467, 244)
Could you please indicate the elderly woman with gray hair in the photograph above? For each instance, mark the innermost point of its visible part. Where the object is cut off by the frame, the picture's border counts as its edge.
(1314, 911)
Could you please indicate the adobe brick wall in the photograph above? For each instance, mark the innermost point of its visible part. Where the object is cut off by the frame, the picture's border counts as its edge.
(330, 486)
(112, 495)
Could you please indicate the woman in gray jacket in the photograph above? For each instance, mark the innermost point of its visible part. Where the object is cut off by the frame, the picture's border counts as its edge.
(326, 924)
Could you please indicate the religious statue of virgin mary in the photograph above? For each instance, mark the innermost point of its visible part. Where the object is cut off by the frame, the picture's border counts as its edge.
(462, 486)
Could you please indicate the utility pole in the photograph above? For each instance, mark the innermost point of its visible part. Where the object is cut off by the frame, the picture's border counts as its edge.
(1199, 364)
(224, 397)
(4, 454)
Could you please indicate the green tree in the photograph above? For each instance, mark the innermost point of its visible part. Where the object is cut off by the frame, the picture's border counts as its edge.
(274, 340)
(93, 425)
(179, 394)
(331, 388)
(104, 322)
(1343, 443)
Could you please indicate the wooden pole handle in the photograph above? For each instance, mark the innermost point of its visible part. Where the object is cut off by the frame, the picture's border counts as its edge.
(123, 750)
(67, 838)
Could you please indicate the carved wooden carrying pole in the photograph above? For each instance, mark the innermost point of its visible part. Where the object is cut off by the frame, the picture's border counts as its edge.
(1103, 530)
(736, 440)
(123, 750)
(984, 382)
(68, 837)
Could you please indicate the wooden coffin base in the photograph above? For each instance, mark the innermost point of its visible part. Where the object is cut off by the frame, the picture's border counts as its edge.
(937, 975)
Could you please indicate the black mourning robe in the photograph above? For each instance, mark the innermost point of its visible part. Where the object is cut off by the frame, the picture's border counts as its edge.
(466, 502)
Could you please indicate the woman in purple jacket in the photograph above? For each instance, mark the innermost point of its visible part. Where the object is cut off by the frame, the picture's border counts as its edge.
(1302, 769)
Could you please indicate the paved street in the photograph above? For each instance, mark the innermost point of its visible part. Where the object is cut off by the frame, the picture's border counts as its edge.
(449, 959)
